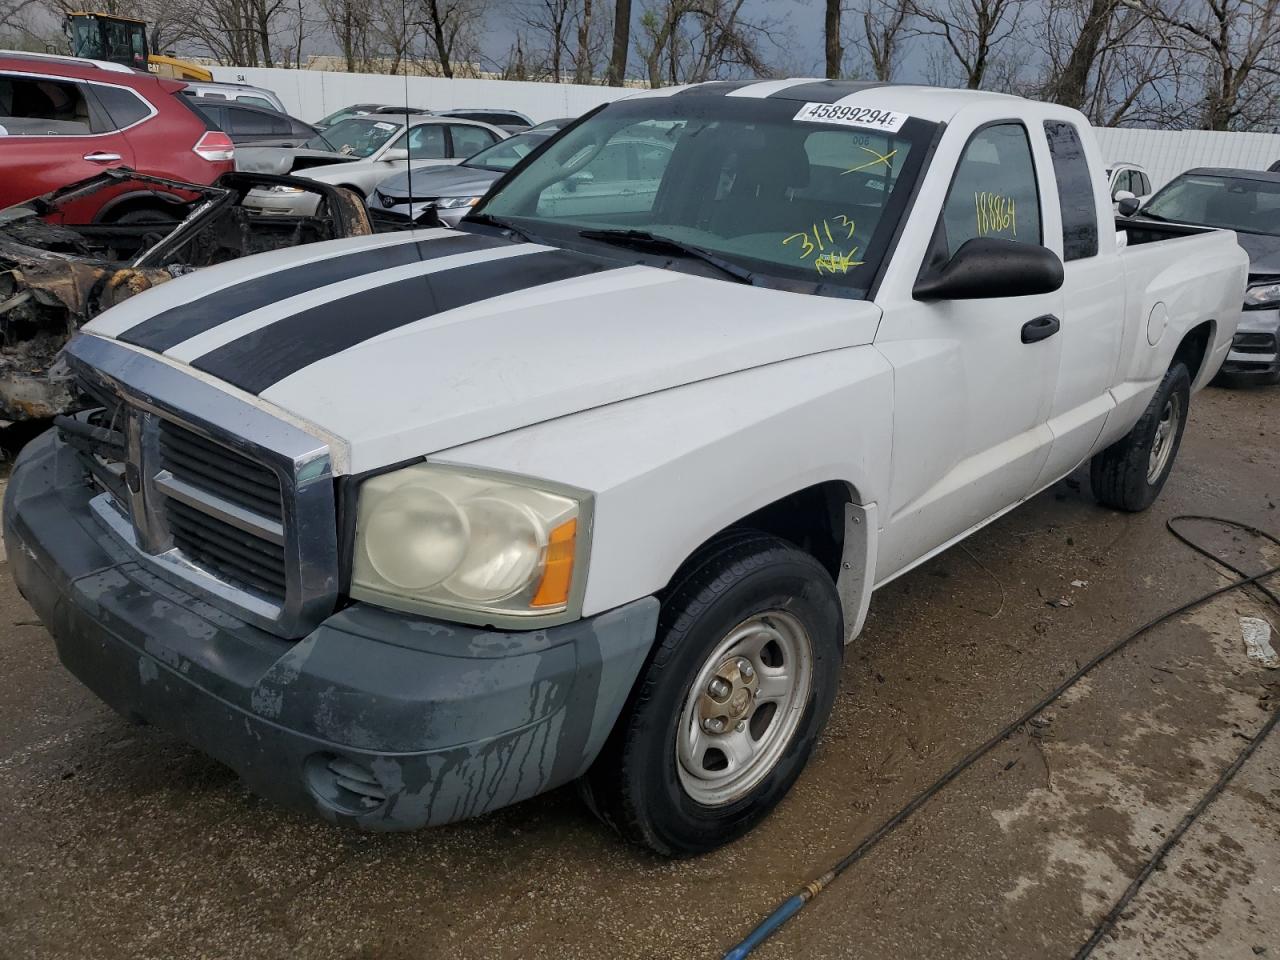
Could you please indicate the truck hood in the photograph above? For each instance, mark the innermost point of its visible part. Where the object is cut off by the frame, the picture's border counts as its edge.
(458, 181)
(1264, 253)
(405, 345)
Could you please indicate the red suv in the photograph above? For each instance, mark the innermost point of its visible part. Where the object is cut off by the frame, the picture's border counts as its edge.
(63, 119)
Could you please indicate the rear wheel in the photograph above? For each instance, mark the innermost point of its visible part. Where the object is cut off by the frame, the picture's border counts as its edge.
(730, 704)
(1130, 473)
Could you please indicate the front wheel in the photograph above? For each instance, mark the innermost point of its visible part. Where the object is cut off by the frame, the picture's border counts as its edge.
(1130, 473)
(730, 704)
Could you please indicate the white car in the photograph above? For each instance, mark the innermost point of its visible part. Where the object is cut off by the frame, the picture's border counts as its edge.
(1128, 180)
(379, 148)
(409, 527)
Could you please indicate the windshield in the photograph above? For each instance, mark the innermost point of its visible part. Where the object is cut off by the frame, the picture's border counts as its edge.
(358, 137)
(1234, 203)
(505, 154)
(808, 203)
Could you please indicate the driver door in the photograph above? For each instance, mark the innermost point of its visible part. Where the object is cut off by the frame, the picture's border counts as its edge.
(971, 398)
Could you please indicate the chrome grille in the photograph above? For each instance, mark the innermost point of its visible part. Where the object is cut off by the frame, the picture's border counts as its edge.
(219, 469)
(215, 494)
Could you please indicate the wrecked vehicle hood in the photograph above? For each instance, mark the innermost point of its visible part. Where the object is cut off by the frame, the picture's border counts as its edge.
(60, 266)
(403, 345)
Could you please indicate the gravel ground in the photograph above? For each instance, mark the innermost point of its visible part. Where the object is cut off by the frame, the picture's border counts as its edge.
(117, 841)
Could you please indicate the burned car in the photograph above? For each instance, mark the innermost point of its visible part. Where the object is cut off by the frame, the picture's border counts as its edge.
(59, 268)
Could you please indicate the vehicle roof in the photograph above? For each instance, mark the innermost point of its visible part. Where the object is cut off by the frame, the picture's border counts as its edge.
(227, 85)
(79, 68)
(938, 104)
(1264, 176)
(206, 103)
(1113, 164)
(453, 110)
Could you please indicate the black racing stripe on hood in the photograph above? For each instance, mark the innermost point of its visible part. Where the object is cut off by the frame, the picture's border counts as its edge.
(714, 88)
(266, 356)
(825, 91)
(173, 326)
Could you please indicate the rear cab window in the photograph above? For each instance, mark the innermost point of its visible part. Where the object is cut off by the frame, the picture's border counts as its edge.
(1076, 198)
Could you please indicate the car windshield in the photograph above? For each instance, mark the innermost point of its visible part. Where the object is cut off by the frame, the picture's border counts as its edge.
(505, 154)
(346, 113)
(806, 204)
(357, 137)
(1210, 200)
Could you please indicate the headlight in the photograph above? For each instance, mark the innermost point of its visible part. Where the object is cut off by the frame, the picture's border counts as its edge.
(433, 539)
(281, 188)
(1263, 294)
(449, 203)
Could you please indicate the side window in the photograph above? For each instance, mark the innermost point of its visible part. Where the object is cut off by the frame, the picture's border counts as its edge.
(249, 122)
(1075, 191)
(43, 108)
(123, 107)
(427, 142)
(994, 192)
(469, 140)
(256, 102)
(1122, 182)
(1144, 185)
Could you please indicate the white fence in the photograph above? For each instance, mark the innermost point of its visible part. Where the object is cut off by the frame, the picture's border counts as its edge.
(1167, 153)
(312, 94)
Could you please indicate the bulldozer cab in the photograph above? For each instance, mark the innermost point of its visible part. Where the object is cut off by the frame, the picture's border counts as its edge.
(102, 36)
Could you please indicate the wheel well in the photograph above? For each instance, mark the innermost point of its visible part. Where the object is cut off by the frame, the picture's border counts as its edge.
(145, 201)
(812, 519)
(356, 190)
(1194, 348)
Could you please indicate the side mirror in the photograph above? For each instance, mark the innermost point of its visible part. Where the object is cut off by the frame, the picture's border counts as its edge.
(1128, 206)
(1121, 195)
(581, 178)
(988, 267)
(396, 156)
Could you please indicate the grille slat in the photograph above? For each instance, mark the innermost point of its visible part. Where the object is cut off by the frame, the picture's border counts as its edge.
(207, 539)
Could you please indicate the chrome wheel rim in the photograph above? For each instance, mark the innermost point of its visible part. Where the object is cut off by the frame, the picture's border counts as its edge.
(1166, 433)
(744, 707)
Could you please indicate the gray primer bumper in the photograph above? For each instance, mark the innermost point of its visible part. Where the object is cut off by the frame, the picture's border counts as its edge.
(1255, 350)
(452, 721)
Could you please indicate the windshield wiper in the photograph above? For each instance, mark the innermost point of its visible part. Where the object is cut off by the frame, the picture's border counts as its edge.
(491, 221)
(644, 240)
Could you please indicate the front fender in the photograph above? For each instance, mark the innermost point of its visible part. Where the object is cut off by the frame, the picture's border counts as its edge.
(671, 469)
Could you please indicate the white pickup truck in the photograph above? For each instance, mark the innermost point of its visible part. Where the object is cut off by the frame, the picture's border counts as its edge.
(409, 527)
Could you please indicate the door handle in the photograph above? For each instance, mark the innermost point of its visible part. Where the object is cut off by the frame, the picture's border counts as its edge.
(102, 157)
(1041, 328)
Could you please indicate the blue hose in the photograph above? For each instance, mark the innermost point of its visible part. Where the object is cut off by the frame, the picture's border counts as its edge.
(768, 925)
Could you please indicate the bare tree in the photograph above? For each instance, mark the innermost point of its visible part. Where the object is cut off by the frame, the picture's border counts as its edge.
(884, 25)
(972, 33)
(351, 26)
(831, 32)
(584, 67)
(688, 41)
(1234, 47)
(617, 71)
(452, 28)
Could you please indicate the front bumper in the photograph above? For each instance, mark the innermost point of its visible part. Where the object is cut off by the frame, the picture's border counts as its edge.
(1255, 349)
(376, 719)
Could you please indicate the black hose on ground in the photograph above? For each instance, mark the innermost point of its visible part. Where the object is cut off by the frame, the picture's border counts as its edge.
(795, 903)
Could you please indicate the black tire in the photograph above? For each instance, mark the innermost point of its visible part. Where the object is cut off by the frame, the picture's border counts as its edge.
(1120, 474)
(634, 785)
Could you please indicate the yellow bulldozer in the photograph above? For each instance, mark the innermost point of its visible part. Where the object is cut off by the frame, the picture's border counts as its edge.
(105, 36)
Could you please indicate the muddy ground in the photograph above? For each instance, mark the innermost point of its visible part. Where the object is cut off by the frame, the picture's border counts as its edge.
(119, 842)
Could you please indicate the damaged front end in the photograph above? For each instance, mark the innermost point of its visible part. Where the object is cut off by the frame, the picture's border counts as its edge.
(67, 256)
